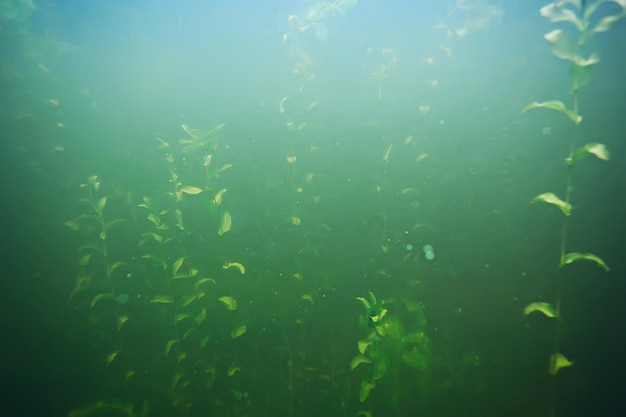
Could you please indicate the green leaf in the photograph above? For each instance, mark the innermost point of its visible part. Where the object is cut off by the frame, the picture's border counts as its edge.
(82, 281)
(226, 222)
(555, 105)
(558, 361)
(556, 12)
(606, 23)
(365, 303)
(187, 299)
(203, 281)
(175, 379)
(156, 260)
(362, 346)
(236, 265)
(546, 308)
(100, 205)
(120, 321)
(201, 317)
(188, 332)
(114, 266)
(100, 297)
(366, 388)
(163, 299)
(177, 264)
(204, 341)
(359, 359)
(564, 48)
(376, 318)
(580, 75)
(238, 331)
(111, 357)
(169, 344)
(568, 258)
(189, 189)
(230, 302)
(551, 198)
(181, 316)
(155, 236)
(84, 260)
(73, 225)
(597, 149)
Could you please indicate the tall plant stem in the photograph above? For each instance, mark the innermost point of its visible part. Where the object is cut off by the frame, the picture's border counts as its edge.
(564, 230)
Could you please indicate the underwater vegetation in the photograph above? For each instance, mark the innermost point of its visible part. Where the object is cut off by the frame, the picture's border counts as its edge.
(580, 15)
(336, 292)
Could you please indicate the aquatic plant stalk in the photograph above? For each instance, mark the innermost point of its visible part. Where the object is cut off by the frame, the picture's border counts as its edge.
(579, 14)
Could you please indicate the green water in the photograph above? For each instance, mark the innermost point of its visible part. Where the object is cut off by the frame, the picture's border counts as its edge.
(315, 209)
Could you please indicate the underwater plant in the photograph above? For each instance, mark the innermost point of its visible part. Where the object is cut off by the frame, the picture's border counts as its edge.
(165, 278)
(96, 259)
(581, 14)
(392, 347)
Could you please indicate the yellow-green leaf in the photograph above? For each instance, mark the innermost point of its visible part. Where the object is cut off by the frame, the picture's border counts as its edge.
(568, 258)
(240, 267)
(81, 282)
(204, 280)
(177, 265)
(225, 223)
(114, 266)
(238, 331)
(564, 48)
(596, 149)
(365, 303)
(359, 359)
(217, 200)
(101, 297)
(204, 341)
(558, 361)
(189, 189)
(187, 333)
(164, 299)
(169, 344)
(73, 225)
(362, 346)
(555, 105)
(84, 260)
(607, 22)
(102, 202)
(233, 369)
(366, 388)
(378, 317)
(546, 308)
(181, 316)
(111, 357)
(230, 302)
(157, 237)
(308, 297)
(556, 12)
(551, 198)
(187, 299)
(201, 317)
(175, 379)
(120, 321)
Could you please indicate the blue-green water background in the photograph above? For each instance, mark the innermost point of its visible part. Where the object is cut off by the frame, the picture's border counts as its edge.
(438, 153)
